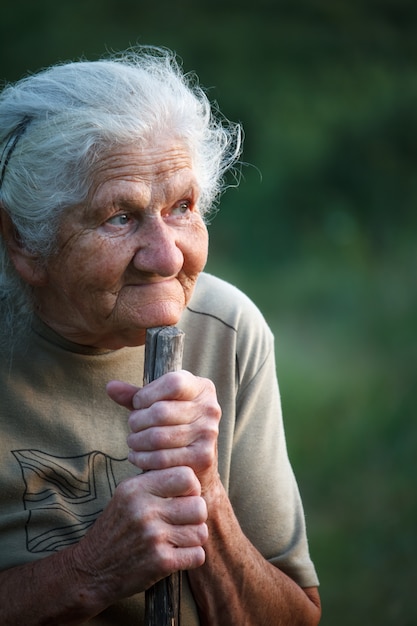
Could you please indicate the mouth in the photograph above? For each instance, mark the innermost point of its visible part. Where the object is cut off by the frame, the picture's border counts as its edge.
(153, 282)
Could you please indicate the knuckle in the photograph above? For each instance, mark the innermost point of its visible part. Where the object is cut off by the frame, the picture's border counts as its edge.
(202, 511)
(212, 430)
(189, 478)
(176, 381)
(126, 489)
(198, 558)
(151, 536)
(191, 484)
(207, 456)
(160, 412)
(156, 438)
(203, 533)
(214, 410)
(210, 385)
(164, 558)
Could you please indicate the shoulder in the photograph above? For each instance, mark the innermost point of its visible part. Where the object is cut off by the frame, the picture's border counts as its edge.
(219, 299)
(223, 321)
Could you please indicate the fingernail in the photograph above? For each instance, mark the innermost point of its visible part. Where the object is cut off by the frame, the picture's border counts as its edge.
(135, 402)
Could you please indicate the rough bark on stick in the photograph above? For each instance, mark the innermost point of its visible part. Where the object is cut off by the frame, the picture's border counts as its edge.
(163, 353)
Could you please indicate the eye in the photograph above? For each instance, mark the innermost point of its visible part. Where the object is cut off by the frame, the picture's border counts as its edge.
(119, 220)
(120, 224)
(181, 208)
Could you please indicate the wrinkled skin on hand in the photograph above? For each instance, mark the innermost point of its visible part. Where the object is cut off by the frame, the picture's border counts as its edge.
(154, 525)
(174, 421)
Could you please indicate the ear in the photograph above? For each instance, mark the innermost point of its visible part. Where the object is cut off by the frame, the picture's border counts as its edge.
(27, 265)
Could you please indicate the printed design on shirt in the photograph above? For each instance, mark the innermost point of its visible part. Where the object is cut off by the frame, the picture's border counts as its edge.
(64, 496)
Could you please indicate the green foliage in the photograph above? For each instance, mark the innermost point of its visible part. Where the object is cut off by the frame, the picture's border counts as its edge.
(320, 232)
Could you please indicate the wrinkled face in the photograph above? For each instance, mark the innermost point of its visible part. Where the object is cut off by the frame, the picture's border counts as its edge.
(128, 258)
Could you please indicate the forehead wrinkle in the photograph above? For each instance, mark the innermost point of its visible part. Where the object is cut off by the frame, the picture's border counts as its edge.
(133, 193)
(153, 161)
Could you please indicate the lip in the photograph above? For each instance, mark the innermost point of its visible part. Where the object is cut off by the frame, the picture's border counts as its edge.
(154, 282)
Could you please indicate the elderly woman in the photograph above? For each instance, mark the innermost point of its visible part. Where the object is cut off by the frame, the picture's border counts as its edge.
(107, 172)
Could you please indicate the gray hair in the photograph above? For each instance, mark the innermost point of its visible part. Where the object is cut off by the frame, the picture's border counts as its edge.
(56, 124)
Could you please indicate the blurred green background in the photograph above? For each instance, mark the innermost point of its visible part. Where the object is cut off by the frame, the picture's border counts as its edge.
(321, 233)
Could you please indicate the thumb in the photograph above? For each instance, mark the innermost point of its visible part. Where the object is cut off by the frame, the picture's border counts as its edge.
(122, 393)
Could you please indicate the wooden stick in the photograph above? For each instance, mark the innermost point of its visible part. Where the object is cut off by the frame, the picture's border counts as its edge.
(163, 353)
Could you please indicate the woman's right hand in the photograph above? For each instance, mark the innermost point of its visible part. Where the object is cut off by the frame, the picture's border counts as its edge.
(154, 525)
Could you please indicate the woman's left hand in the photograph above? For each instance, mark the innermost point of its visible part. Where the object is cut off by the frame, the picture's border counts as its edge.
(174, 421)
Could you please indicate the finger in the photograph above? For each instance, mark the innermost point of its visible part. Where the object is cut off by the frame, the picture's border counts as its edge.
(171, 482)
(185, 510)
(176, 558)
(179, 548)
(189, 536)
(190, 558)
(162, 413)
(172, 412)
(165, 438)
(198, 457)
(121, 393)
(177, 385)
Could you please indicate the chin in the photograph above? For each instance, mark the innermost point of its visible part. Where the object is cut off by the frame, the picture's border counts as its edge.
(162, 315)
(168, 320)
(136, 337)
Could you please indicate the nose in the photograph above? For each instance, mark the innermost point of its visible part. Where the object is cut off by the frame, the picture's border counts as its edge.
(158, 252)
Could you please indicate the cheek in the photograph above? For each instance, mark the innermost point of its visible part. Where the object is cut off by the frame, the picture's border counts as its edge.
(195, 250)
(105, 272)
(95, 266)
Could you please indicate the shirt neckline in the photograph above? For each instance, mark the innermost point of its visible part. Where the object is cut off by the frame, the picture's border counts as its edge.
(46, 332)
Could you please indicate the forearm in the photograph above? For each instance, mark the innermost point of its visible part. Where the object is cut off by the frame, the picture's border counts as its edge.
(236, 585)
(153, 525)
(47, 592)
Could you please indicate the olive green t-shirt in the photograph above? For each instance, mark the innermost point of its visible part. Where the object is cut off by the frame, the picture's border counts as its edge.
(63, 441)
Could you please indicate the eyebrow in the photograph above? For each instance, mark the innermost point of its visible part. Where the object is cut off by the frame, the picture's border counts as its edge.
(123, 201)
(171, 192)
